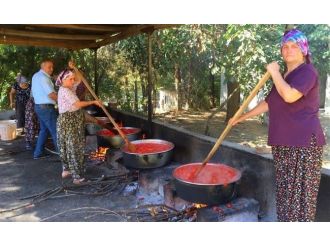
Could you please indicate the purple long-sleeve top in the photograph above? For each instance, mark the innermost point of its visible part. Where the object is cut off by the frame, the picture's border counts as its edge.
(293, 124)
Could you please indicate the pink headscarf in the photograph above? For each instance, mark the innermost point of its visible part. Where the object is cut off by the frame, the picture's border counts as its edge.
(62, 76)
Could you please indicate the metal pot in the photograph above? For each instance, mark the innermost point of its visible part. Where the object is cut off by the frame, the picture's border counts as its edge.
(94, 110)
(116, 141)
(210, 194)
(148, 160)
(92, 128)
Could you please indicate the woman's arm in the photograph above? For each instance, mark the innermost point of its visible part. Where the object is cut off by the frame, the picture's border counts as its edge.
(81, 104)
(288, 93)
(262, 107)
(11, 97)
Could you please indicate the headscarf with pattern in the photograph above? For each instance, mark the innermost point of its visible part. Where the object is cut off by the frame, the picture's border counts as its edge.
(300, 39)
(62, 76)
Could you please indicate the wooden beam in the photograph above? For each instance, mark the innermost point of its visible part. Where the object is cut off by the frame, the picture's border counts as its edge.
(41, 35)
(85, 27)
(131, 31)
(74, 45)
(78, 44)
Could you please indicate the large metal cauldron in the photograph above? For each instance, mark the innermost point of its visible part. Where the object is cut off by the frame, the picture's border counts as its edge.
(117, 141)
(93, 128)
(148, 160)
(205, 193)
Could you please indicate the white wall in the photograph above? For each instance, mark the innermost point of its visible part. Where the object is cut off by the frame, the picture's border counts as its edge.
(327, 95)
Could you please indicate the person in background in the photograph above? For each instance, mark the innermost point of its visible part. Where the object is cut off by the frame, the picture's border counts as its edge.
(295, 132)
(21, 90)
(71, 127)
(45, 98)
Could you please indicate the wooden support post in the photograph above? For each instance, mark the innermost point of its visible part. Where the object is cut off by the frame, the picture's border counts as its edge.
(96, 83)
(150, 108)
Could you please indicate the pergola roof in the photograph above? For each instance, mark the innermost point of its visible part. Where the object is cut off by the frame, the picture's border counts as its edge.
(72, 36)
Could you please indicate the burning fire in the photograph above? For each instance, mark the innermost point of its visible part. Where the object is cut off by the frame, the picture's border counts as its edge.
(198, 205)
(99, 154)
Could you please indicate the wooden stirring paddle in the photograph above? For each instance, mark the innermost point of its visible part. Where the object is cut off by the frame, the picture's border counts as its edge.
(131, 147)
(239, 112)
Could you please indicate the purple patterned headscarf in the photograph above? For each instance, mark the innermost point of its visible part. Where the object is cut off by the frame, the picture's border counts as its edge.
(300, 39)
(62, 76)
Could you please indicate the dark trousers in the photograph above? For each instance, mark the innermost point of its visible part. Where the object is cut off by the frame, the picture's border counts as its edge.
(20, 114)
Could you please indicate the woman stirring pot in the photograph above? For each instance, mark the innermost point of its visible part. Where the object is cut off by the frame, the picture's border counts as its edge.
(71, 127)
(295, 132)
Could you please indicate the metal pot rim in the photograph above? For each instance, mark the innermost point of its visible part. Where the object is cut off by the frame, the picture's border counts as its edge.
(238, 177)
(150, 141)
(104, 119)
(138, 131)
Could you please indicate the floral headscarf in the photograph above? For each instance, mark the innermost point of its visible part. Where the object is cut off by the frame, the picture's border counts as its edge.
(62, 76)
(300, 39)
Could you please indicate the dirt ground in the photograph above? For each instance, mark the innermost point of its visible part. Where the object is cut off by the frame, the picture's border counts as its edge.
(252, 133)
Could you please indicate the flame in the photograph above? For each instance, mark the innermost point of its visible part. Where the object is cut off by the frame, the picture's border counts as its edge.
(99, 154)
(198, 205)
(144, 136)
(120, 124)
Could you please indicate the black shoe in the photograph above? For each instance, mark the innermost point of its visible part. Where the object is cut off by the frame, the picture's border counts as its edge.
(43, 156)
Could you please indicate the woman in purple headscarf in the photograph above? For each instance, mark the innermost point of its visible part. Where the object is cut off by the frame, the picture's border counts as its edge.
(295, 133)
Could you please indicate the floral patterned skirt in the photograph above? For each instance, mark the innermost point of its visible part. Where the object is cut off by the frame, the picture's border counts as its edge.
(298, 175)
(71, 142)
(31, 122)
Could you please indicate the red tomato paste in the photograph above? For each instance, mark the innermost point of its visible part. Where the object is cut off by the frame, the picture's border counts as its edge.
(210, 174)
(110, 133)
(149, 147)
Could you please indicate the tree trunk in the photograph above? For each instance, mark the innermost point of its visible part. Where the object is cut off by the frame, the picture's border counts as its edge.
(144, 95)
(154, 91)
(213, 96)
(177, 76)
(189, 86)
(128, 98)
(150, 83)
(95, 73)
(206, 131)
(136, 102)
(234, 101)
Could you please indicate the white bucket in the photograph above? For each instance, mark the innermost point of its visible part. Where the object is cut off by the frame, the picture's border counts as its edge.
(7, 130)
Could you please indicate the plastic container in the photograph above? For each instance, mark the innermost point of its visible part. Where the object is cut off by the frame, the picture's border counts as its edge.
(7, 130)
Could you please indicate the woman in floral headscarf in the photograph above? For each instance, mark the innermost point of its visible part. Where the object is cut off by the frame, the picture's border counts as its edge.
(71, 127)
(21, 89)
(295, 132)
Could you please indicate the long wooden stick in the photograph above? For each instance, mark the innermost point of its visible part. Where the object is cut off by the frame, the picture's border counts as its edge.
(131, 147)
(239, 112)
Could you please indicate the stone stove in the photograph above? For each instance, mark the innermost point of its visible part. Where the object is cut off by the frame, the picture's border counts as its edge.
(156, 187)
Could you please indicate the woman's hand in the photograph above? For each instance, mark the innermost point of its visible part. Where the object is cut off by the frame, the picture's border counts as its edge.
(71, 64)
(273, 68)
(97, 103)
(11, 105)
(234, 122)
